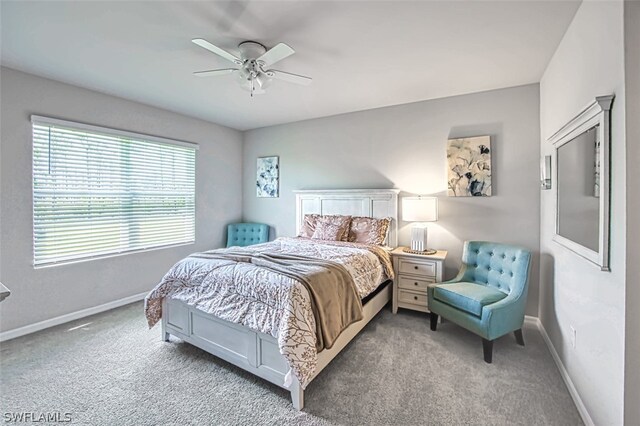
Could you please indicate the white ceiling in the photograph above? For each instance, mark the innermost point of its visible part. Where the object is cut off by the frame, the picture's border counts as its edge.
(361, 54)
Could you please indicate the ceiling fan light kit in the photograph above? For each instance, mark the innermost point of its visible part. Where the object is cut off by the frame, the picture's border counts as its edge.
(251, 65)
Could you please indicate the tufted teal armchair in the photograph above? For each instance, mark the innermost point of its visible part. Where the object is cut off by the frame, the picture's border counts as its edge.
(489, 295)
(246, 234)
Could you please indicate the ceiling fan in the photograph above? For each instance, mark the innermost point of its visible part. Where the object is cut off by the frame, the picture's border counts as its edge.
(253, 65)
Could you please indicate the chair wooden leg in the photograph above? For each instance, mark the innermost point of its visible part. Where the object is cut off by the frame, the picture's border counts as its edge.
(487, 348)
(519, 338)
(434, 321)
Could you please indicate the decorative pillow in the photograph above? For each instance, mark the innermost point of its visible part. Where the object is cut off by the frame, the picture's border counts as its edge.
(309, 225)
(329, 230)
(368, 230)
(342, 222)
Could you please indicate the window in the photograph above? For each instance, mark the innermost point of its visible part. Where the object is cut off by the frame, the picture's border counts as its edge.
(99, 192)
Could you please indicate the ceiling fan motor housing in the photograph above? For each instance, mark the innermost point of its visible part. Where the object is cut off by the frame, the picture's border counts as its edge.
(251, 50)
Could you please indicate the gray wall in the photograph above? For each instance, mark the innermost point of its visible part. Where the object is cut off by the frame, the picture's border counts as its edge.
(46, 293)
(589, 62)
(632, 314)
(404, 147)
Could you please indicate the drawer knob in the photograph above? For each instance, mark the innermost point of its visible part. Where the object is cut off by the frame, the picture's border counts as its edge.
(415, 267)
(415, 297)
(415, 283)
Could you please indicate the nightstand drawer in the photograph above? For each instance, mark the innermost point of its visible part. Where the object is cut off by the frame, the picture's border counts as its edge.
(414, 284)
(417, 268)
(413, 298)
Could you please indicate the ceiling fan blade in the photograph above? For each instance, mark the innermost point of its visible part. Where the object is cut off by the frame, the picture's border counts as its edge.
(210, 73)
(215, 49)
(291, 78)
(275, 54)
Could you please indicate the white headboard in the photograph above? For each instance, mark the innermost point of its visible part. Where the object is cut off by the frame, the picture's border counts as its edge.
(378, 203)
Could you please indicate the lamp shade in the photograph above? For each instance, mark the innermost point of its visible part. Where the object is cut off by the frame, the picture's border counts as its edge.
(419, 209)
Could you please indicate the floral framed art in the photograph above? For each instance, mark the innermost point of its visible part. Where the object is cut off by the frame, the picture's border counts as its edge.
(268, 177)
(469, 166)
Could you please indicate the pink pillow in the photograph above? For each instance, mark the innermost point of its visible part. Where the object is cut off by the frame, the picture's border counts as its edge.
(328, 231)
(368, 230)
(342, 221)
(311, 222)
(309, 225)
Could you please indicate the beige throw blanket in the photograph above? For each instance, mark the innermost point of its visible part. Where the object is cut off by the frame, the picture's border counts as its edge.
(334, 298)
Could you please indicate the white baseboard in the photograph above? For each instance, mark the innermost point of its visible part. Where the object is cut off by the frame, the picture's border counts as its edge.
(32, 328)
(582, 409)
(534, 321)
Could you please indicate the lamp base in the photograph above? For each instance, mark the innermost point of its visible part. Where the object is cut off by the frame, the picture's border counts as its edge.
(427, 252)
(419, 238)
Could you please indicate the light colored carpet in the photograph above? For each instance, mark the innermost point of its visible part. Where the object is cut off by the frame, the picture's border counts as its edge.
(114, 371)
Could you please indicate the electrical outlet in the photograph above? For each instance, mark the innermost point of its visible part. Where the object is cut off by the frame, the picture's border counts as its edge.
(573, 336)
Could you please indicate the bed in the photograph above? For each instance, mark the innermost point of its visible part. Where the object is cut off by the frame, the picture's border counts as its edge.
(275, 343)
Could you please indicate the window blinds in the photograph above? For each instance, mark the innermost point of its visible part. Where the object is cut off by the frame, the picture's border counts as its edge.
(98, 192)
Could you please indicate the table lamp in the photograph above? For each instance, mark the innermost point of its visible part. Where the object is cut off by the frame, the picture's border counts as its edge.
(419, 210)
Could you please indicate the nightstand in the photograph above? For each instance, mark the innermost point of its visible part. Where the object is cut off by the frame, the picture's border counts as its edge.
(413, 273)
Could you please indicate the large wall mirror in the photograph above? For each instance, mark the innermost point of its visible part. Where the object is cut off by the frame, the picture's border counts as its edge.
(582, 183)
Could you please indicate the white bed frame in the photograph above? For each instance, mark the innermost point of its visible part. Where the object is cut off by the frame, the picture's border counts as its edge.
(257, 352)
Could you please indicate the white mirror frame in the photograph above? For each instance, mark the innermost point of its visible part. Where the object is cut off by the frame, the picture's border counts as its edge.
(597, 113)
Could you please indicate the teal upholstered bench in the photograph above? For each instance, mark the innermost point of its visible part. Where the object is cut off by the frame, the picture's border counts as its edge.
(246, 234)
(489, 295)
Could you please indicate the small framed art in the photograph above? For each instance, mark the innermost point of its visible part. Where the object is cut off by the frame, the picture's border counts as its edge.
(267, 177)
